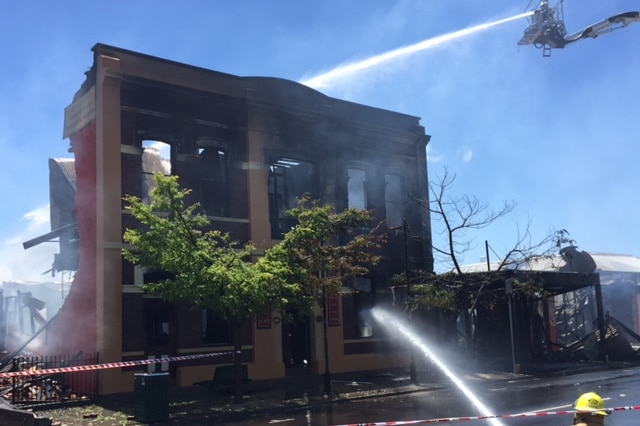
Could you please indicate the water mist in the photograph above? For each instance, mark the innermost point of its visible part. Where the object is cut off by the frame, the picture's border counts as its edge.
(325, 80)
(395, 324)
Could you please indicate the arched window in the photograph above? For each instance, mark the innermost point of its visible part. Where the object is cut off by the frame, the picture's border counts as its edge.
(156, 158)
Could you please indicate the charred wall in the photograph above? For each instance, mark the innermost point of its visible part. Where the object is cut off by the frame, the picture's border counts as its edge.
(246, 147)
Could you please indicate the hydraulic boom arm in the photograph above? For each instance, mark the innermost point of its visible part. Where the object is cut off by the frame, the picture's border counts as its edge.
(547, 30)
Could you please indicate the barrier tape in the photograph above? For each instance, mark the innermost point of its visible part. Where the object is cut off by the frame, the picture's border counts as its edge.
(93, 367)
(497, 416)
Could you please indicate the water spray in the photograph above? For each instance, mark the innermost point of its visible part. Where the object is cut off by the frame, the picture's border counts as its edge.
(325, 80)
(391, 321)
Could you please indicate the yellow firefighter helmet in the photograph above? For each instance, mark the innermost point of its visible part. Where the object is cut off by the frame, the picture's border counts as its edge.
(591, 402)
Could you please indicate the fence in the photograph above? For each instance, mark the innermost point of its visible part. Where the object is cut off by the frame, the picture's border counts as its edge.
(54, 389)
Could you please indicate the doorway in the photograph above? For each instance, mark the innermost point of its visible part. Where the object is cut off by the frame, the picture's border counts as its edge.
(296, 345)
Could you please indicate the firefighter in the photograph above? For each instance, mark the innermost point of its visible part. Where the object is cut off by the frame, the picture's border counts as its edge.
(590, 410)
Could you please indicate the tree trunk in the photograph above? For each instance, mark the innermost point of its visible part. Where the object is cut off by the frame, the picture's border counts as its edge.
(468, 330)
(237, 366)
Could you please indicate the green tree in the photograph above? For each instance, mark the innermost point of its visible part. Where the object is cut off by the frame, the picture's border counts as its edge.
(323, 250)
(207, 269)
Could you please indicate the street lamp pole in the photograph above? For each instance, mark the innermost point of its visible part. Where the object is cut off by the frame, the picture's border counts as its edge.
(325, 331)
(412, 364)
(508, 288)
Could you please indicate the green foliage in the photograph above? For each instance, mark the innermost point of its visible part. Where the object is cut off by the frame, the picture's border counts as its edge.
(531, 288)
(433, 291)
(325, 248)
(446, 291)
(206, 268)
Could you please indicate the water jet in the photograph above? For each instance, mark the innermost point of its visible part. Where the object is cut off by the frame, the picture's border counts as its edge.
(325, 79)
(392, 322)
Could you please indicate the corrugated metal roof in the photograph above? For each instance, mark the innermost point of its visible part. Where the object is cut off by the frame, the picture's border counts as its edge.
(152, 162)
(605, 262)
(616, 262)
(68, 168)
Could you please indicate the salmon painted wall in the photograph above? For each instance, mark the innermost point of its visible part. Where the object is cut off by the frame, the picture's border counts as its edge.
(75, 328)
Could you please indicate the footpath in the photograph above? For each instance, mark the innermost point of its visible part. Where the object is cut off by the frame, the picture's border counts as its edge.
(197, 406)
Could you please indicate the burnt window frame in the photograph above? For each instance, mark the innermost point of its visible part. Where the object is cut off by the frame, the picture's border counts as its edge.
(157, 321)
(363, 187)
(156, 312)
(358, 301)
(281, 201)
(220, 182)
(402, 198)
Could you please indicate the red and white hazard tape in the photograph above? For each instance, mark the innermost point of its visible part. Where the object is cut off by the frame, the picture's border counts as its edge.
(93, 367)
(498, 416)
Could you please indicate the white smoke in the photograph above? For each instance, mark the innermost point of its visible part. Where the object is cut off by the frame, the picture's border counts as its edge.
(18, 264)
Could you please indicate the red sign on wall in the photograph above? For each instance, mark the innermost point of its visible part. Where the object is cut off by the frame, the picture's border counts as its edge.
(263, 321)
(333, 310)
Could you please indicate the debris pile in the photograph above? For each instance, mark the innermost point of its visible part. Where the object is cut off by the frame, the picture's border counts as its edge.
(51, 389)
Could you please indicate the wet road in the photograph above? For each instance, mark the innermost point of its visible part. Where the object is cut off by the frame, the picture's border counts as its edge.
(619, 388)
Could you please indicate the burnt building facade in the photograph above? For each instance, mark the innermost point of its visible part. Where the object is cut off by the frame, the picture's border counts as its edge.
(247, 147)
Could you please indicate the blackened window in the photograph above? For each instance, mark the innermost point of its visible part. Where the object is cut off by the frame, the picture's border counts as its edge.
(288, 180)
(157, 314)
(357, 305)
(394, 199)
(212, 162)
(215, 331)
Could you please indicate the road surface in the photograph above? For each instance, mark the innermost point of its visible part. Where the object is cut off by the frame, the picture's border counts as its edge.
(619, 388)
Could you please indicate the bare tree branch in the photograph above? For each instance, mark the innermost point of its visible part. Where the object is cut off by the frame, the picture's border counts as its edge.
(459, 215)
(524, 250)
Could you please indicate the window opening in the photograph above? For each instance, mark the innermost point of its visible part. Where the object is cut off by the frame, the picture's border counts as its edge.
(157, 313)
(156, 158)
(158, 316)
(215, 331)
(394, 199)
(288, 180)
(355, 189)
(212, 161)
(296, 341)
(357, 305)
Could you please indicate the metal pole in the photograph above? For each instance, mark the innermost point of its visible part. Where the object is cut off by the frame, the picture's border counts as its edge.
(325, 331)
(412, 364)
(486, 250)
(602, 328)
(508, 287)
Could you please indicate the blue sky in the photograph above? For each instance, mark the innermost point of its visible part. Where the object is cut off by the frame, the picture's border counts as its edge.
(558, 136)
